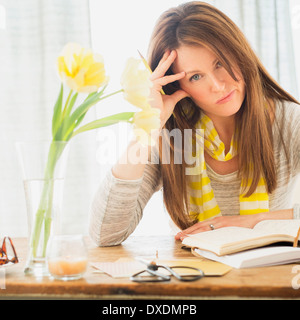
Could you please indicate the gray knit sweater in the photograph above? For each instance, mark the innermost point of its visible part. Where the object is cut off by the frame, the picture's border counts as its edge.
(118, 205)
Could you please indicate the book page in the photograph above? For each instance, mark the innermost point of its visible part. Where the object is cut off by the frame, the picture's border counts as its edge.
(236, 234)
(233, 237)
(288, 227)
(217, 238)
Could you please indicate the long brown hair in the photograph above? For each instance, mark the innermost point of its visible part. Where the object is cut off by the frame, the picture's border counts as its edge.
(200, 24)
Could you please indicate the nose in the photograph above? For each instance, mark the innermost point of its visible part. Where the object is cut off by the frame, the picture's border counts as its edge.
(217, 84)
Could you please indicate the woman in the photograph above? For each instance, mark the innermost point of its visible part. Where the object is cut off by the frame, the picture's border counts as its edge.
(212, 81)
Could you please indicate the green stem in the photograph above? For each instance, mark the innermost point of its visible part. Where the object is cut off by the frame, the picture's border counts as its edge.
(48, 217)
(40, 216)
(44, 212)
(66, 104)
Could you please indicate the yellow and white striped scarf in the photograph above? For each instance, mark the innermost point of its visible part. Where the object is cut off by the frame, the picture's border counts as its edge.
(203, 204)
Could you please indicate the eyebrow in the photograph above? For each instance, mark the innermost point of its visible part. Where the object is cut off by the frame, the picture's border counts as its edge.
(199, 71)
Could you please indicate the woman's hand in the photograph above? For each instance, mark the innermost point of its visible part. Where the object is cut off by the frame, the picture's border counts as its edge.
(235, 221)
(166, 103)
(221, 222)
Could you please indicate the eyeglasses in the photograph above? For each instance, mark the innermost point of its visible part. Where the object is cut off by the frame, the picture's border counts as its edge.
(4, 259)
(157, 273)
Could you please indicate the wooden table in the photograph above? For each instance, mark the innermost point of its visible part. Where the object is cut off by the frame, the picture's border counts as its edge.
(271, 282)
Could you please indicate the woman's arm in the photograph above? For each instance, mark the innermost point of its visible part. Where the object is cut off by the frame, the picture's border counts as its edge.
(118, 206)
(132, 163)
(247, 221)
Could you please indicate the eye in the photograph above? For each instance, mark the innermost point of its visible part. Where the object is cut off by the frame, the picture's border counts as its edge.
(219, 64)
(195, 77)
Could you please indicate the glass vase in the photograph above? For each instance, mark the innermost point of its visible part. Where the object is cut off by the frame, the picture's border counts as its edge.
(43, 166)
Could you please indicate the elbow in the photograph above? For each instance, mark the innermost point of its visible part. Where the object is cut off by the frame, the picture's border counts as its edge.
(102, 239)
(102, 243)
(97, 240)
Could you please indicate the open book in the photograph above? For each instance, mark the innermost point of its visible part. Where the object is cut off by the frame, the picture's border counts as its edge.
(235, 239)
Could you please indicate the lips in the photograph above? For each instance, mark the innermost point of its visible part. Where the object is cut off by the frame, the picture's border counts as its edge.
(226, 98)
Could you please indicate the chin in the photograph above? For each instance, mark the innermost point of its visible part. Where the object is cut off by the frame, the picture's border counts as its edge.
(224, 111)
(229, 109)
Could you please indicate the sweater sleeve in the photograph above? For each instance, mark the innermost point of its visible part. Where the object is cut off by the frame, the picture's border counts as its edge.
(118, 206)
(287, 139)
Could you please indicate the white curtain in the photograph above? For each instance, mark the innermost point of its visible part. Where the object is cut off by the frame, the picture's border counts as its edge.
(34, 34)
(267, 25)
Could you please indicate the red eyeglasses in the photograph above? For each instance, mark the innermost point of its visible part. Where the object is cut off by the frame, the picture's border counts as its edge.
(4, 258)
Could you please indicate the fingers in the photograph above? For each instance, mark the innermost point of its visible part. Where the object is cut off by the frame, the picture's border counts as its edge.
(196, 228)
(160, 80)
(158, 76)
(169, 79)
(164, 58)
(164, 65)
(218, 223)
(166, 103)
(178, 96)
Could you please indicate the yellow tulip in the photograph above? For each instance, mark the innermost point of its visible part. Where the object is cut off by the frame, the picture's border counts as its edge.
(144, 122)
(136, 84)
(81, 69)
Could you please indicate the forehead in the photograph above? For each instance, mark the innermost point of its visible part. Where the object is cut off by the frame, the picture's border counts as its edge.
(192, 58)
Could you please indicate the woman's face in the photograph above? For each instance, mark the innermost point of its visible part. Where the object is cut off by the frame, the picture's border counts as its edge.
(209, 84)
